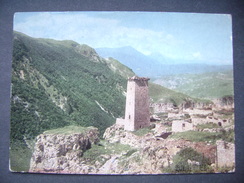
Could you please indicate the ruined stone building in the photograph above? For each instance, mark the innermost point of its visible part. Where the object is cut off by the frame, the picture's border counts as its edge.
(137, 104)
(181, 126)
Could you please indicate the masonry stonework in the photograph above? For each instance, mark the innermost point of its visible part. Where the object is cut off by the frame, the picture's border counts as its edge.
(137, 104)
(181, 126)
(225, 156)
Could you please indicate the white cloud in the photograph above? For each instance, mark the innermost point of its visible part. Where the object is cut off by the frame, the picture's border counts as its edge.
(94, 31)
(111, 31)
(197, 55)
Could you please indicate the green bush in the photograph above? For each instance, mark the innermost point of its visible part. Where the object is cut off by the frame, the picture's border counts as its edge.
(228, 136)
(142, 131)
(190, 161)
(226, 169)
(20, 156)
(130, 152)
(104, 148)
(208, 125)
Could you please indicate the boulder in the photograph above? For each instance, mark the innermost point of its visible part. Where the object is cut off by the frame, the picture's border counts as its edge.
(61, 152)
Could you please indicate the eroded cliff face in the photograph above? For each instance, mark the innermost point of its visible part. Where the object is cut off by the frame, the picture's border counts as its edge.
(121, 152)
(226, 102)
(62, 152)
(154, 153)
(170, 107)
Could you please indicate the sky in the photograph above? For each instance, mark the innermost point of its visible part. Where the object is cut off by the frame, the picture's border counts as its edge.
(198, 37)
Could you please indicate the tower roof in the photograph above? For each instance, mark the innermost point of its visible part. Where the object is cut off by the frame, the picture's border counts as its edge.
(138, 78)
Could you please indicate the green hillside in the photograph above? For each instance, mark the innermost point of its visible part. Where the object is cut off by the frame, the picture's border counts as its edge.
(207, 85)
(119, 68)
(164, 95)
(60, 83)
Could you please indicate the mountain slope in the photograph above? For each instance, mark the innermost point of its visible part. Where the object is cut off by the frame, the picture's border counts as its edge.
(119, 68)
(59, 83)
(207, 85)
(131, 58)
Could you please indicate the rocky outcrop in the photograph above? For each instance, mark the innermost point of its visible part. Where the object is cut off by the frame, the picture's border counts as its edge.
(154, 152)
(150, 153)
(226, 102)
(62, 152)
(163, 107)
(185, 105)
(88, 52)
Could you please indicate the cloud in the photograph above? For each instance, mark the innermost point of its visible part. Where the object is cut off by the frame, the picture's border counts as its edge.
(105, 30)
(94, 31)
(197, 55)
(61, 25)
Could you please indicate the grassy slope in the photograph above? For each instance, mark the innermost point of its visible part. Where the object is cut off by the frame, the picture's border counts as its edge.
(207, 85)
(56, 73)
(67, 130)
(196, 136)
(161, 94)
(121, 69)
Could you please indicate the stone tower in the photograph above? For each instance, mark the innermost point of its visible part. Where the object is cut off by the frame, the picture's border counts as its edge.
(137, 104)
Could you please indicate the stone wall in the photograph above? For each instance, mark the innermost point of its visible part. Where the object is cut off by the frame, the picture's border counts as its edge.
(175, 115)
(142, 114)
(130, 106)
(181, 126)
(211, 119)
(163, 107)
(137, 104)
(120, 121)
(225, 154)
(198, 112)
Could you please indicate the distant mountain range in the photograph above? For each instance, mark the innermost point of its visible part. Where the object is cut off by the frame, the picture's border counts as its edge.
(156, 65)
(131, 58)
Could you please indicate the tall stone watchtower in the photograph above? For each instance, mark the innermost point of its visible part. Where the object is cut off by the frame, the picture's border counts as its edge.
(137, 104)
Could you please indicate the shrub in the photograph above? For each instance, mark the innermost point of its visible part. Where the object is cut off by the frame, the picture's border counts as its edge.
(195, 136)
(208, 125)
(20, 156)
(190, 161)
(130, 152)
(142, 131)
(228, 136)
(226, 169)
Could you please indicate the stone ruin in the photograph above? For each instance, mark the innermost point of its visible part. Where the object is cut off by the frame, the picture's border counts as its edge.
(225, 155)
(137, 113)
(181, 126)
